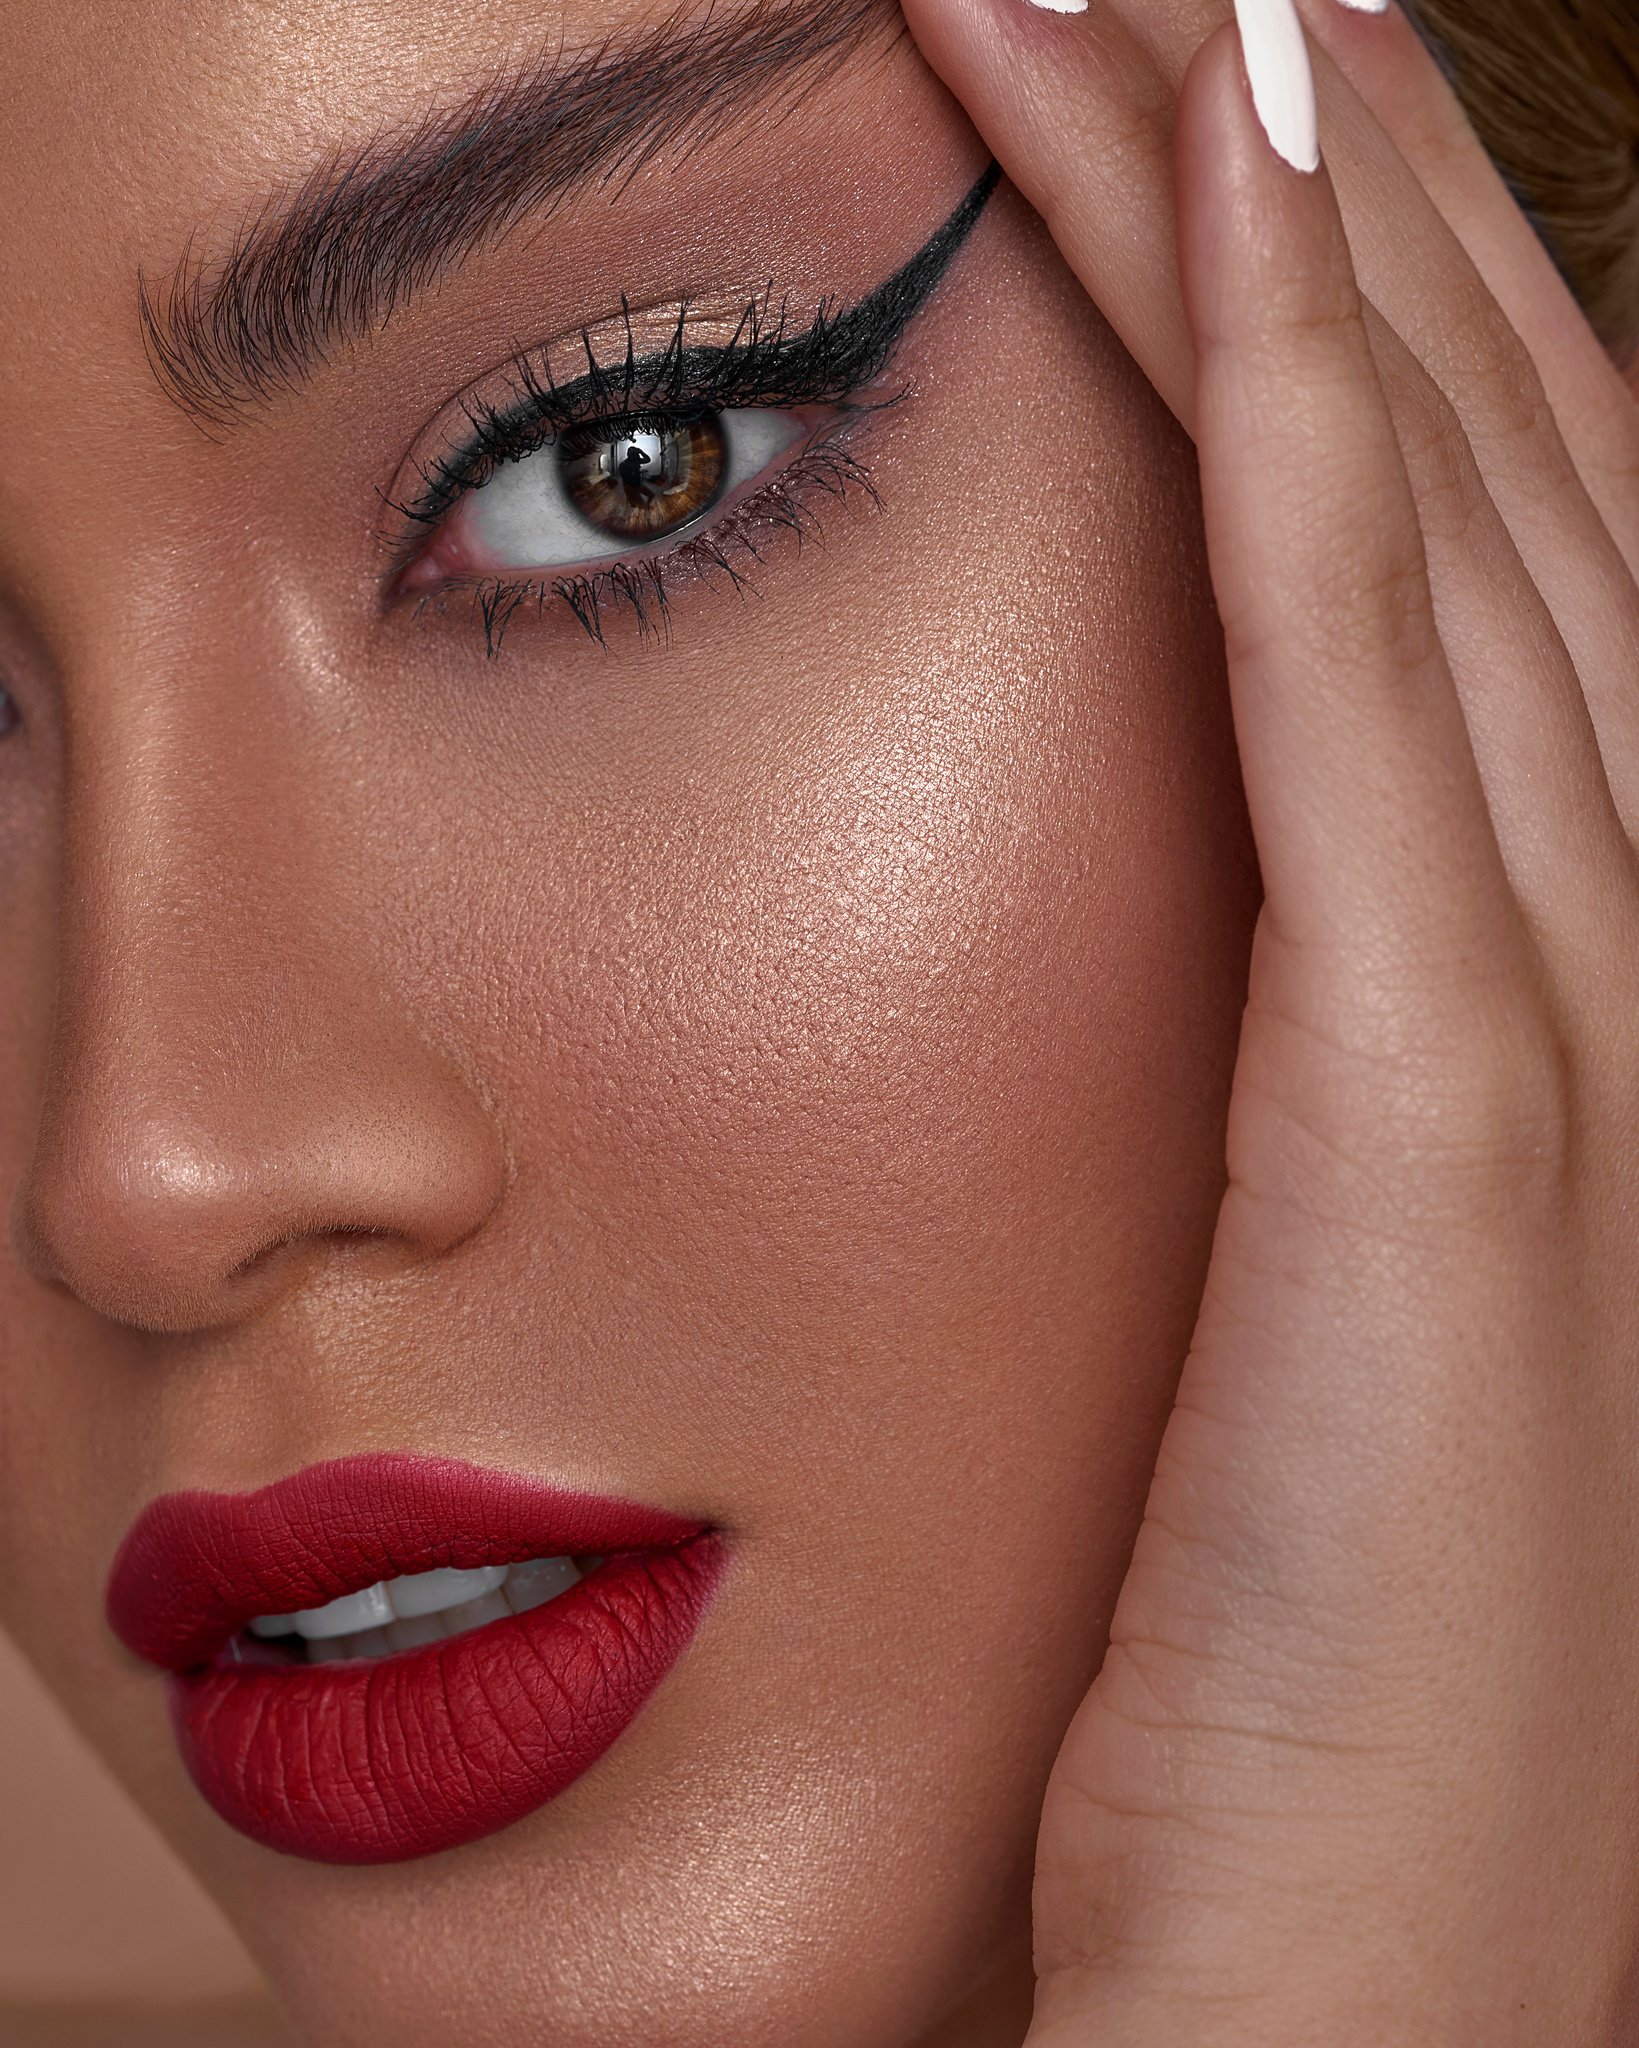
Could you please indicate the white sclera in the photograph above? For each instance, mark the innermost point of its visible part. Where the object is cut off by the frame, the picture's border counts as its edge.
(522, 517)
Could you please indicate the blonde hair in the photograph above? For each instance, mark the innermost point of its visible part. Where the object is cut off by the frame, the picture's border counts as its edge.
(1552, 87)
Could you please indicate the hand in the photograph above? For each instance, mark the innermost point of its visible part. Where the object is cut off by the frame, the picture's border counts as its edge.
(1362, 1763)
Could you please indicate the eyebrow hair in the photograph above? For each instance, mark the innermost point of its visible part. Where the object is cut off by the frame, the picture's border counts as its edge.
(333, 259)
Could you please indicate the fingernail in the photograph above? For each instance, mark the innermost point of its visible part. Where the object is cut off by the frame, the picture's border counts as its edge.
(1366, 6)
(1283, 83)
(1066, 6)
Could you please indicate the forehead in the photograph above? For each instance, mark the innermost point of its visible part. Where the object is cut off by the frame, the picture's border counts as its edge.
(135, 131)
(173, 107)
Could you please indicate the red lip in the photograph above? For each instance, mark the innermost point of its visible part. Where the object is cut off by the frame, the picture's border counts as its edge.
(409, 1754)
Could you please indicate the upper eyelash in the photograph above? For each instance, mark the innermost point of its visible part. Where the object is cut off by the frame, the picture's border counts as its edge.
(753, 367)
(762, 362)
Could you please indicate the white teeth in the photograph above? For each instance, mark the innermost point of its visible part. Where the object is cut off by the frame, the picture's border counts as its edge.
(422, 1607)
(346, 1616)
(474, 1613)
(419, 1629)
(542, 1579)
(432, 1592)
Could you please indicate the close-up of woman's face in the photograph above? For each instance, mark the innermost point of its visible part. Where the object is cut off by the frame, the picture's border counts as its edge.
(626, 905)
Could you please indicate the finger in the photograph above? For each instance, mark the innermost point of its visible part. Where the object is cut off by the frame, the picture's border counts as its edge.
(1434, 295)
(1568, 858)
(1080, 117)
(1373, 833)
(1415, 270)
(1412, 109)
(1077, 110)
(1387, 63)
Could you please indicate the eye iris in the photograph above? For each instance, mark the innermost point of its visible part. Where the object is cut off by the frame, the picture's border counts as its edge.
(638, 480)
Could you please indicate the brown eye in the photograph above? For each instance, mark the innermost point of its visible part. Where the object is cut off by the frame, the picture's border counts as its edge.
(609, 487)
(637, 481)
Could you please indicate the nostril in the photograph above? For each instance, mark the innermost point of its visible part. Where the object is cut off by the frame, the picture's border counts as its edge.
(283, 1262)
(342, 1235)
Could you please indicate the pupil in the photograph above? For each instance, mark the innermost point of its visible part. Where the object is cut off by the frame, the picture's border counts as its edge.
(639, 482)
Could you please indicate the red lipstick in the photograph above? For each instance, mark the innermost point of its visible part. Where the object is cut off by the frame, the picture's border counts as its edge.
(400, 1756)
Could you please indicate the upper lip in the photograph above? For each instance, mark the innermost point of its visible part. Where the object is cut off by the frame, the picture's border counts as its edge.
(195, 1567)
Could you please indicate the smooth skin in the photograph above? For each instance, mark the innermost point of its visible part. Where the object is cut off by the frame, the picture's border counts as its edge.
(777, 1073)
(904, 1173)
(1361, 1763)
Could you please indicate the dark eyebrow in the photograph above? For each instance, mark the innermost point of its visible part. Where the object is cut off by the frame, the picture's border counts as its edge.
(330, 261)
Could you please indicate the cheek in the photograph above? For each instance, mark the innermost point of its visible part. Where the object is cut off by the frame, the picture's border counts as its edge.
(867, 1089)
(894, 1044)
(857, 980)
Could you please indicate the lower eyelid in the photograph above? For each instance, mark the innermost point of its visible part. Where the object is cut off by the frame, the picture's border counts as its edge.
(782, 501)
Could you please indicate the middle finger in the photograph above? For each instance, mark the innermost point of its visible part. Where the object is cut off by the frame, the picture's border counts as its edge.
(1567, 731)
(1420, 273)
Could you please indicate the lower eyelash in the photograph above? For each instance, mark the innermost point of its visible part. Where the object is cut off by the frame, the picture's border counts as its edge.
(790, 503)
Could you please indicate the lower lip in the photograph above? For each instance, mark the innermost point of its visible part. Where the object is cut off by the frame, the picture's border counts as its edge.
(401, 1756)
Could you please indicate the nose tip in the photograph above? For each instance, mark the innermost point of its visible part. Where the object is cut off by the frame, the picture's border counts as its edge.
(161, 1224)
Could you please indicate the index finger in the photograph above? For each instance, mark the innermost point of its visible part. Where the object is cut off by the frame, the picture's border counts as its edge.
(1080, 117)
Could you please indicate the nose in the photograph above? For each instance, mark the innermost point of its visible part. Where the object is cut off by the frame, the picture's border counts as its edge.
(191, 1208)
(233, 1091)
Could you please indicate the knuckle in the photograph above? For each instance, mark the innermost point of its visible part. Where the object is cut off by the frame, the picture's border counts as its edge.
(1464, 1098)
(1492, 1107)
(1618, 449)
(1496, 382)
(1373, 595)
(1314, 321)
(1510, 1107)
(1438, 454)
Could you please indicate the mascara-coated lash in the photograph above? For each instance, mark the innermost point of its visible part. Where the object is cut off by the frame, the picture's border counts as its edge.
(641, 584)
(762, 363)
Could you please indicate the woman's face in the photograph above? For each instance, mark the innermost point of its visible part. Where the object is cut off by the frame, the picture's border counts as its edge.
(764, 1060)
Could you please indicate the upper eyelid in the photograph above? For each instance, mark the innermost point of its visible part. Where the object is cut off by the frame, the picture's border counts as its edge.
(666, 379)
(598, 392)
(844, 350)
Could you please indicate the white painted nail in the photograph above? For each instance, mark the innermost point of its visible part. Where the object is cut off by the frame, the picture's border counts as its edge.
(1283, 82)
(1061, 6)
(1366, 6)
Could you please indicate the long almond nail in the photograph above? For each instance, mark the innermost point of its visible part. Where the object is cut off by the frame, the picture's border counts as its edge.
(1282, 80)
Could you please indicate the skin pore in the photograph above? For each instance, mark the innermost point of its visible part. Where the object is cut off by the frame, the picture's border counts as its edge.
(772, 1067)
